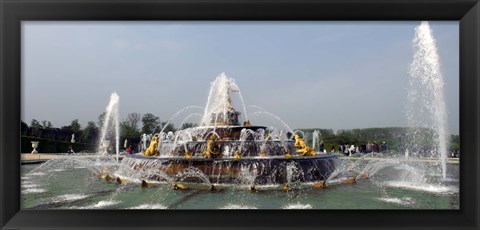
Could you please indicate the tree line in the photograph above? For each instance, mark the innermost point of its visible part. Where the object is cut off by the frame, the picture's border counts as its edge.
(135, 124)
(397, 138)
(131, 128)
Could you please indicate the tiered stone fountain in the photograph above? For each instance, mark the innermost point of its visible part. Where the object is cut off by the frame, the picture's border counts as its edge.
(222, 150)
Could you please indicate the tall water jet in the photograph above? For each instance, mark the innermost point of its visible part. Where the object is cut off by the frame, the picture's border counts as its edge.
(219, 109)
(426, 110)
(110, 121)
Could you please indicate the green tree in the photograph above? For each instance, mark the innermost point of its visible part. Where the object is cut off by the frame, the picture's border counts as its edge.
(36, 128)
(90, 133)
(101, 119)
(24, 128)
(168, 128)
(46, 124)
(188, 125)
(455, 143)
(76, 127)
(151, 123)
(129, 127)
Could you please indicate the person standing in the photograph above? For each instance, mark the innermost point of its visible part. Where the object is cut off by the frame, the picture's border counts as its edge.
(346, 150)
(369, 147)
(351, 150)
(322, 147)
(70, 149)
(384, 147)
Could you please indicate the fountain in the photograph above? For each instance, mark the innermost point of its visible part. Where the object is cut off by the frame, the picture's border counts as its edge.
(111, 121)
(225, 153)
(222, 147)
(417, 167)
(426, 105)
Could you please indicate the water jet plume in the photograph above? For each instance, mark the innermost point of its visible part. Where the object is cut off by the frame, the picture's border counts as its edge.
(108, 178)
(147, 184)
(321, 184)
(363, 175)
(212, 188)
(102, 176)
(121, 181)
(350, 181)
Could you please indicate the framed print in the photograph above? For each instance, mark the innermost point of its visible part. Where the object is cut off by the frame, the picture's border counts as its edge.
(159, 112)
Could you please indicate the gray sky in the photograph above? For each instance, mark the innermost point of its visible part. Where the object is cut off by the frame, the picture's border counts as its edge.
(337, 75)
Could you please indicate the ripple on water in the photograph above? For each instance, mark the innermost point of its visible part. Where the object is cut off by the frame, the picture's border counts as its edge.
(150, 206)
(298, 206)
(394, 200)
(237, 206)
(69, 197)
(29, 185)
(37, 174)
(431, 188)
(101, 204)
(57, 170)
(33, 190)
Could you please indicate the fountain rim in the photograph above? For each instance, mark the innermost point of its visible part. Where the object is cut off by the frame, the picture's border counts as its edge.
(201, 159)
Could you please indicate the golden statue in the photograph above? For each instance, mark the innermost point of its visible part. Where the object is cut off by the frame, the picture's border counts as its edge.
(263, 153)
(303, 148)
(211, 151)
(187, 154)
(288, 154)
(152, 149)
(237, 155)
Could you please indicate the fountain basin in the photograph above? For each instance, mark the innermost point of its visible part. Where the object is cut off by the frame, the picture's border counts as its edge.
(251, 170)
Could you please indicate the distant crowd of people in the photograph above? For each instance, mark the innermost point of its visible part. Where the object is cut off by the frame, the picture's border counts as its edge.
(348, 150)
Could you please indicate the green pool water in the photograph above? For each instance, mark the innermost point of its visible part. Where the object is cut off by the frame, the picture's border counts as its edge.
(75, 187)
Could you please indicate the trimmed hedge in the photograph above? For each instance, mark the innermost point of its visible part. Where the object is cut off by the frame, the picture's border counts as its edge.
(53, 146)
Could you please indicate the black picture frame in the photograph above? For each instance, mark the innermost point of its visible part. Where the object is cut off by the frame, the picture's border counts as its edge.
(12, 12)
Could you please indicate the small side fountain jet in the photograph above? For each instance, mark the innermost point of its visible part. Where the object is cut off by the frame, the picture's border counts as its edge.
(102, 176)
(121, 181)
(363, 175)
(147, 184)
(108, 178)
(321, 184)
(179, 187)
(352, 180)
(212, 188)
